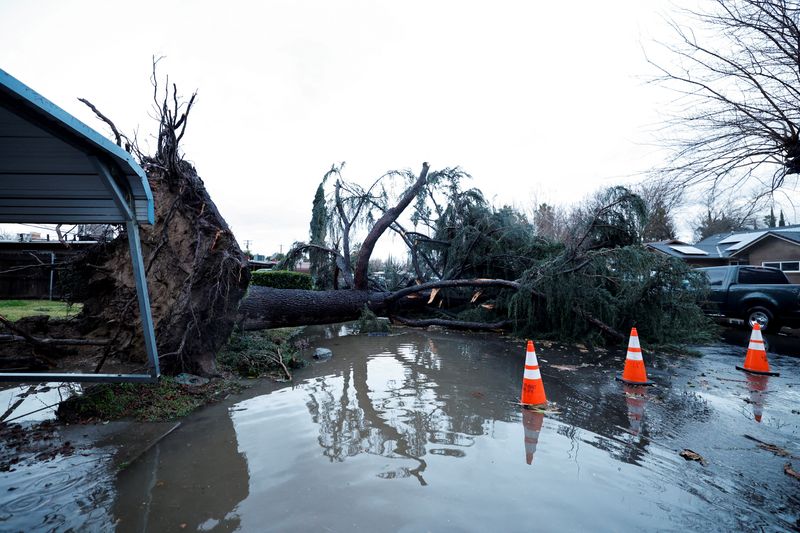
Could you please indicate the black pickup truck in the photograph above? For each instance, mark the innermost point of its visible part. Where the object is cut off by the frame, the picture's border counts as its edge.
(753, 294)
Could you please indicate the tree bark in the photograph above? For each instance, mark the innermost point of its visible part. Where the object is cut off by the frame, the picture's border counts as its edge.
(383, 223)
(266, 307)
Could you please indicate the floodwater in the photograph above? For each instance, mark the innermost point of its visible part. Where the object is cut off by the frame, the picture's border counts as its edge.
(420, 431)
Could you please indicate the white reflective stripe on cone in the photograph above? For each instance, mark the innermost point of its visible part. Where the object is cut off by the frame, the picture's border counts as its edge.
(530, 359)
(531, 374)
(756, 336)
(756, 347)
(635, 356)
(634, 342)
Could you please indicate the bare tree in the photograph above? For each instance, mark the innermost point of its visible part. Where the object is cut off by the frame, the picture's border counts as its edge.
(737, 69)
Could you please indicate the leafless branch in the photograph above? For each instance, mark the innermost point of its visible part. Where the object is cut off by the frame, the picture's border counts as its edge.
(736, 71)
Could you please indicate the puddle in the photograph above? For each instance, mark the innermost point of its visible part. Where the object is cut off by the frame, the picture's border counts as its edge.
(421, 432)
(34, 403)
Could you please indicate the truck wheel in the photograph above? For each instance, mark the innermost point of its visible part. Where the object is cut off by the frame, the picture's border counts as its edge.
(762, 316)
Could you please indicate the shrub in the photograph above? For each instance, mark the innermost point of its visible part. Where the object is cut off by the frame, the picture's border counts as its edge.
(258, 353)
(282, 279)
(151, 402)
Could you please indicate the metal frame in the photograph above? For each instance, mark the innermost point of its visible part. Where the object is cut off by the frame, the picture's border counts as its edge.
(134, 243)
(66, 126)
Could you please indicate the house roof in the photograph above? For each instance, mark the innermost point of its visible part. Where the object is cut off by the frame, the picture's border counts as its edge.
(56, 169)
(684, 250)
(725, 245)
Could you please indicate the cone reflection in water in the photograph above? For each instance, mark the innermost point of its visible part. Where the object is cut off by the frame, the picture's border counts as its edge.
(532, 422)
(756, 359)
(532, 385)
(757, 385)
(635, 399)
(634, 372)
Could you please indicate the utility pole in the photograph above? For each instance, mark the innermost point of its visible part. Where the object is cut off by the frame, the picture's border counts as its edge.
(247, 244)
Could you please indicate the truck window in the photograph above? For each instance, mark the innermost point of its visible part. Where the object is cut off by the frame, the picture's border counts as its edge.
(716, 276)
(761, 276)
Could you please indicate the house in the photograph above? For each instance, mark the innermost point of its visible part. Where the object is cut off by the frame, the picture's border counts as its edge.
(772, 247)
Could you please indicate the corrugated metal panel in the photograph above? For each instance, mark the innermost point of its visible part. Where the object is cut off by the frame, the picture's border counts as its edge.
(13, 126)
(35, 155)
(45, 153)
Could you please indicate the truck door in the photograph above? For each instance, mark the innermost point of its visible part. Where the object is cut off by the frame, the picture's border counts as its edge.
(718, 289)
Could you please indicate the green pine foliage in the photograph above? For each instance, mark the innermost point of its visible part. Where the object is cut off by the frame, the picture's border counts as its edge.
(320, 260)
(368, 322)
(623, 287)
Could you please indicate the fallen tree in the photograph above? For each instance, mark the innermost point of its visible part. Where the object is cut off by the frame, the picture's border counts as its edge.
(598, 284)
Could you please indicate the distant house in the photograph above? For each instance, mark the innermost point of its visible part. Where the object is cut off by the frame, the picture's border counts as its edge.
(773, 247)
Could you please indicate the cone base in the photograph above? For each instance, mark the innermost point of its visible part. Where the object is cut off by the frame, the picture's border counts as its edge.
(757, 372)
(533, 405)
(647, 383)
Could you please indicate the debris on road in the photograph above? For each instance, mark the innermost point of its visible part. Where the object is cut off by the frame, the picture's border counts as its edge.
(777, 450)
(787, 469)
(690, 455)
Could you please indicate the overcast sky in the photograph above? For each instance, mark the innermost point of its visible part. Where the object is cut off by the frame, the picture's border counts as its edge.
(539, 101)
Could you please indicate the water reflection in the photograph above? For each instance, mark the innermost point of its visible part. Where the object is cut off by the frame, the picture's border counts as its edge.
(757, 388)
(34, 403)
(400, 404)
(193, 486)
(635, 399)
(532, 422)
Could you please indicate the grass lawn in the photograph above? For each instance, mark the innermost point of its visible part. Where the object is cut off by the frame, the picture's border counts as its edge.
(16, 309)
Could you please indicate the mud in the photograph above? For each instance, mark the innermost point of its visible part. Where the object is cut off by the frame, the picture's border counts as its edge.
(420, 431)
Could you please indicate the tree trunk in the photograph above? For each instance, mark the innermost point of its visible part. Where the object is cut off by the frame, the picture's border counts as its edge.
(265, 307)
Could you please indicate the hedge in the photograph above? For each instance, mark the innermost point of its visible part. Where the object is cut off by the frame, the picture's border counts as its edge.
(282, 279)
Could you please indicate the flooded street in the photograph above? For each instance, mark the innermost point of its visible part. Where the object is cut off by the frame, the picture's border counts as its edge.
(420, 431)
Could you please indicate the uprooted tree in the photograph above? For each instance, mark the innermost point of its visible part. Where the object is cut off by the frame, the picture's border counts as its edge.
(196, 272)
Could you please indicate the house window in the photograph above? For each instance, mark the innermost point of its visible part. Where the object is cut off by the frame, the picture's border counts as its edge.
(786, 266)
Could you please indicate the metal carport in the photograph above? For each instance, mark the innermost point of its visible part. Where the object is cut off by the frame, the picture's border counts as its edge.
(55, 169)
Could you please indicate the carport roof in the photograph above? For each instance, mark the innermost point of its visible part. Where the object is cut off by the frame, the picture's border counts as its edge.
(56, 169)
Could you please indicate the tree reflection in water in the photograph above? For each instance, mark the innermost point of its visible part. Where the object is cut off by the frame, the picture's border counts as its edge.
(396, 405)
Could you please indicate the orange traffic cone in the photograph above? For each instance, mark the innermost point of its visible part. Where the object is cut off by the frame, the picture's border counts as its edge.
(532, 422)
(755, 361)
(757, 385)
(532, 386)
(634, 372)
